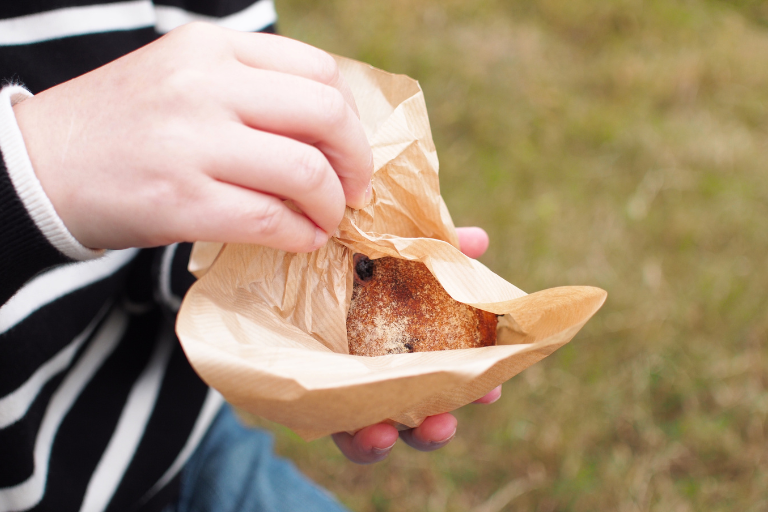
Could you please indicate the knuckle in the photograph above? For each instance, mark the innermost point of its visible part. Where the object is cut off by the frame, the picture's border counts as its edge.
(311, 168)
(198, 40)
(195, 30)
(338, 207)
(325, 69)
(269, 218)
(184, 82)
(170, 188)
(333, 107)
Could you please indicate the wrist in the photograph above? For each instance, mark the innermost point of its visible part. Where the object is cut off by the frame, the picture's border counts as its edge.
(26, 183)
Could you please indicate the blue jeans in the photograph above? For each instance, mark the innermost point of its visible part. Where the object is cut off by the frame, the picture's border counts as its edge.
(235, 470)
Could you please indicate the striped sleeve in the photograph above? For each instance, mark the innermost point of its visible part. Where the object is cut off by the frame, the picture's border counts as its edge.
(99, 407)
(243, 15)
(106, 413)
(24, 250)
(24, 245)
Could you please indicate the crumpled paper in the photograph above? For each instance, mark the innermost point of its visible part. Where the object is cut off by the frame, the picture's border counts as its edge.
(267, 328)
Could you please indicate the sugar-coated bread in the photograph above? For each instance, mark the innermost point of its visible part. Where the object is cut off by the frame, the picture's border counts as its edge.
(398, 306)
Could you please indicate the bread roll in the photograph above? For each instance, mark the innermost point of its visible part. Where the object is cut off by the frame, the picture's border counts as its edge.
(398, 306)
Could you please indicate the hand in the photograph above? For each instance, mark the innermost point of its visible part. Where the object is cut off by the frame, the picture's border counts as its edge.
(202, 135)
(373, 444)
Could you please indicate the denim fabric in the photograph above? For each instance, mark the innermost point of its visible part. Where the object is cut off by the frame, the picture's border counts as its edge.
(235, 470)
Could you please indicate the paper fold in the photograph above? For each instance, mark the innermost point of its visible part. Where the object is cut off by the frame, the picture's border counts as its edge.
(268, 328)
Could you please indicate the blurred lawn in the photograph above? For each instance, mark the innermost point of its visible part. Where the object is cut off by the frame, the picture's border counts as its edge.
(621, 144)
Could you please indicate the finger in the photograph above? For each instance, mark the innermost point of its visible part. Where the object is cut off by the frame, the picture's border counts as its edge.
(369, 445)
(310, 112)
(491, 397)
(281, 167)
(269, 51)
(473, 241)
(226, 213)
(435, 432)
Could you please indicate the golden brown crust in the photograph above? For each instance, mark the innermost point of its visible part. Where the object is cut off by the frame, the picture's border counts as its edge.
(398, 306)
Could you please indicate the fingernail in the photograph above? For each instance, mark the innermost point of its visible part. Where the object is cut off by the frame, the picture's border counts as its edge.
(321, 237)
(446, 440)
(381, 451)
(368, 193)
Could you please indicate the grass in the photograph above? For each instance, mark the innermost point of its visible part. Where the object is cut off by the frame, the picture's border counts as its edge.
(622, 144)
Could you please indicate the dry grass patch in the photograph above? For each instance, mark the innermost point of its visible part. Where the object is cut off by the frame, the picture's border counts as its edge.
(620, 144)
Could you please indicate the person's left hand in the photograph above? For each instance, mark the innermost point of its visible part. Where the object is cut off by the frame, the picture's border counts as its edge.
(373, 444)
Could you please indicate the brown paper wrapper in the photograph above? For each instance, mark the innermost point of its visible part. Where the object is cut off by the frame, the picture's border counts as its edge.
(267, 328)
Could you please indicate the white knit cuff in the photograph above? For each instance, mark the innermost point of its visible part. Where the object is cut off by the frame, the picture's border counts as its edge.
(27, 185)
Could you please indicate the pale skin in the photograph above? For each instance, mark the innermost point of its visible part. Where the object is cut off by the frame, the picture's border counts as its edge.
(203, 135)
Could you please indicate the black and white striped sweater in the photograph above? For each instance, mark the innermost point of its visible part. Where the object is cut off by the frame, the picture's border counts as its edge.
(99, 409)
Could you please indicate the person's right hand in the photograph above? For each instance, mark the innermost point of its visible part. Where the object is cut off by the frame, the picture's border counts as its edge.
(373, 443)
(202, 135)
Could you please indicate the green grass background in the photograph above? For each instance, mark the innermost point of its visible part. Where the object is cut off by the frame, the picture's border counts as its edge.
(617, 143)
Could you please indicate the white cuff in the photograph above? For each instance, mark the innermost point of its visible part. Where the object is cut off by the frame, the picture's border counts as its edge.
(27, 185)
